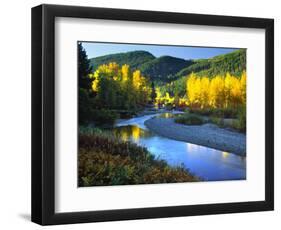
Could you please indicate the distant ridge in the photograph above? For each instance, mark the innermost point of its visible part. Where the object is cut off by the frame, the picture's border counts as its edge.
(168, 68)
(134, 58)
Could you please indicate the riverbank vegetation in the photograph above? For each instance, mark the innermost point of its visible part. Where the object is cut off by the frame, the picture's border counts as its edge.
(189, 119)
(235, 120)
(105, 159)
(219, 98)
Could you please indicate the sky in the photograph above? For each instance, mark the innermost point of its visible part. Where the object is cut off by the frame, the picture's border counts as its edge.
(94, 49)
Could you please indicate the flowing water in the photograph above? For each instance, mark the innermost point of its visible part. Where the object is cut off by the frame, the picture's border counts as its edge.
(207, 163)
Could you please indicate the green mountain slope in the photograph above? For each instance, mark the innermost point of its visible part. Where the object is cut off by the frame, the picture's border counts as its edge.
(164, 68)
(168, 69)
(234, 63)
(135, 59)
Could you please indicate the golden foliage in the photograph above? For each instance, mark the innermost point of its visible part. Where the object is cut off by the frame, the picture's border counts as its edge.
(125, 72)
(218, 92)
(111, 69)
(134, 84)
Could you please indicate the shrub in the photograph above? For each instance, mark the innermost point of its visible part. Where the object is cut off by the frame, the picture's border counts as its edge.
(88, 113)
(218, 121)
(240, 124)
(189, 119)
(216, 112)
(169, 106)
(106, 160)
(104, 117)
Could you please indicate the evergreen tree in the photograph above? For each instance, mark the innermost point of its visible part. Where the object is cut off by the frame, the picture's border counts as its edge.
(153, 92)
(85, 84)
(84, 69)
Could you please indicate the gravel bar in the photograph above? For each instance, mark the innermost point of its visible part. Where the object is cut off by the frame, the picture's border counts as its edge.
(208, 135)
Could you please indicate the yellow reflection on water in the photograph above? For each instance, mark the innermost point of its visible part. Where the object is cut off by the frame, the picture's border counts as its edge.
(225, 154)
(124, 135)
(129, 133)
(167, 115)
(136, 133)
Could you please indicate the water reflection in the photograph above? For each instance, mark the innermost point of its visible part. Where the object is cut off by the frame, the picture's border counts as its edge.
(225, 154)
(131, 132)
(167, 115)
(208, 163)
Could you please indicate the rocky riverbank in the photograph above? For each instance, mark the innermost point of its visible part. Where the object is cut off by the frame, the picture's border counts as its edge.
(208, 135)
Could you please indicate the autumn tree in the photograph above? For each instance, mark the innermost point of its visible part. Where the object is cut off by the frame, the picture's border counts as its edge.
(216, 93)
(125, 72)
(190, 89)
(219, 92)
(204, 94)
(119, 88)
(243, 82)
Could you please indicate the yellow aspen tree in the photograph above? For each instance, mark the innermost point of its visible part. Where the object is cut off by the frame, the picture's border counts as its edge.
(158, 95)
(125, 72)
(204, 96)
(197, 91)
(190, 88)
(168, 99)
(243, 83)
(110, 70)
(143, 88)
(137, 79)
(95, 82)
(236, 92)
(227, 89)
(217, 92)
(113, 68)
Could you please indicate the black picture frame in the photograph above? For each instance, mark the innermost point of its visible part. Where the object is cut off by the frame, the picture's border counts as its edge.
(43, 114)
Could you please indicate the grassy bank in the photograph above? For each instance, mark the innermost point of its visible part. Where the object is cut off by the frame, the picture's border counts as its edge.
(224, 118)
(189, 119)
(106, 160)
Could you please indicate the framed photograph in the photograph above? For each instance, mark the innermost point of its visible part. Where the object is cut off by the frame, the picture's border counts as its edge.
(142, 114)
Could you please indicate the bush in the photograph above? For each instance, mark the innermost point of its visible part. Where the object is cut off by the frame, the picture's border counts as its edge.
(106, 160)
(216, 112)
(189, 119)
(88, 113)
(218, 121)
(169, 106)
(104, 117)
(241, 122)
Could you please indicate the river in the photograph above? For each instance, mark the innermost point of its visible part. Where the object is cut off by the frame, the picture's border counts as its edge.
(207, 163)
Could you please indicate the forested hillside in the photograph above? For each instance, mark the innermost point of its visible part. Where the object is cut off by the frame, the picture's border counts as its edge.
(233, 63)
(164, 68)
(167, 69)
(134, 59)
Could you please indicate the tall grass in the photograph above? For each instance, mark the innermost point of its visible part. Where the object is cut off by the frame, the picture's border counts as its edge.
(240, 124)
